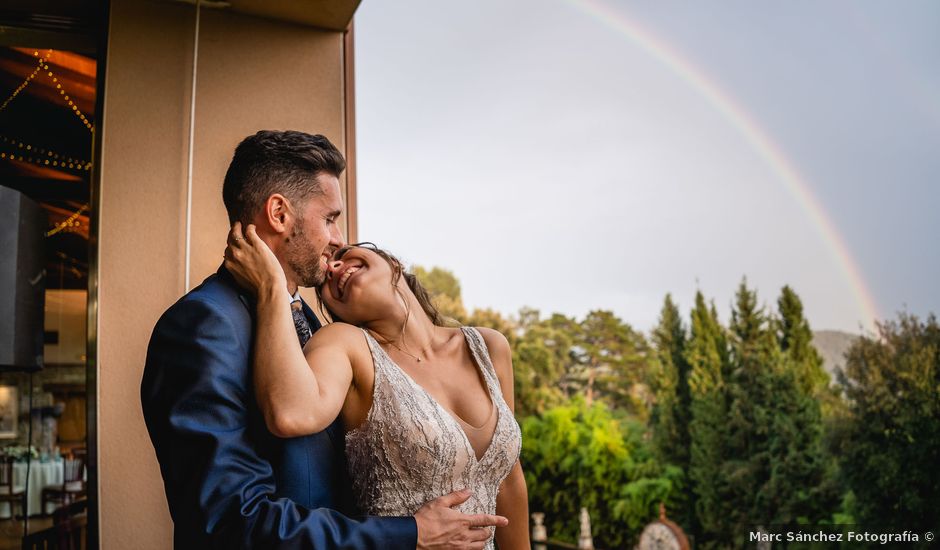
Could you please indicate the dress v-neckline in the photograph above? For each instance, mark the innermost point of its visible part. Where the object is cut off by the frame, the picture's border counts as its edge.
(454, 418)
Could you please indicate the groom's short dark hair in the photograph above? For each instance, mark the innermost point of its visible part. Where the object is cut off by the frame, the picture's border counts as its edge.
(285, 162)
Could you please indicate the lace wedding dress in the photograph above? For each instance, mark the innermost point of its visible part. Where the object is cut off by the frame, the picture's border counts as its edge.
(411, 450)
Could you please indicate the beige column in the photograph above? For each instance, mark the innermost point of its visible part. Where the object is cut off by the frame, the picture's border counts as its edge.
(251, 74)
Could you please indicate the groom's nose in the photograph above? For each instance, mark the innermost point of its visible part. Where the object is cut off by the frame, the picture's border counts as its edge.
(336, 237)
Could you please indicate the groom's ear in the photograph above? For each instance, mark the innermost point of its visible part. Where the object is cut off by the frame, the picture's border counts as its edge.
(278, 213)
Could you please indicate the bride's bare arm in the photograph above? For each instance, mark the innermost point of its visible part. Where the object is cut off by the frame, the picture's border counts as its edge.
(298, 392)
(512, 500)
(298, 395)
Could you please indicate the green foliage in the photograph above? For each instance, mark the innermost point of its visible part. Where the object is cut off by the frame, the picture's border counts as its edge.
(775, 460)
(706, 355)
(796, 340)
(493, 319)
(672, 412)
(444, 289)
(600, 358)
(804, 361)
(670, 381)
(889, 443)
(539, 359)
(578, 455)
(756, 432)
(728, 426)
(609, 363)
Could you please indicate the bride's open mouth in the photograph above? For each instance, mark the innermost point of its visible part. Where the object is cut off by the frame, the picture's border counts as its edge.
(343, 280)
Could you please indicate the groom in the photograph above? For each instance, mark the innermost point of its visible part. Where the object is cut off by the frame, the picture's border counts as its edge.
(229, 482)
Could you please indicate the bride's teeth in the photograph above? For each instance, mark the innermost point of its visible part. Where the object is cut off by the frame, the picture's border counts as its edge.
(345, 276)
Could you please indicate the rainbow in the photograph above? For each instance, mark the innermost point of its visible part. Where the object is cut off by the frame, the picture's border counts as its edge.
(756, 137)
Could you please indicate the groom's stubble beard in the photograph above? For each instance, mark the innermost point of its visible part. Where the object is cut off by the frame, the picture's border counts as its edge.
(302, 258)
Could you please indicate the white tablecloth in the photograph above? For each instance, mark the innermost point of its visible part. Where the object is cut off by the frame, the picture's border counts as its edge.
(41, 474)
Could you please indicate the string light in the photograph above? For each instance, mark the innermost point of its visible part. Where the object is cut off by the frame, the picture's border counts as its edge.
(25, 152)
(62, 92)
(39, 65)
(70, 222)
(43, 65)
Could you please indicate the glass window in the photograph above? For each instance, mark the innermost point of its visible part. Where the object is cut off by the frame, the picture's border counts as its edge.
(47, 124)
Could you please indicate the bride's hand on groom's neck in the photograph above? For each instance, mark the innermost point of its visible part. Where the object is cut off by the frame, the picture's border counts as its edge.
(252, 263)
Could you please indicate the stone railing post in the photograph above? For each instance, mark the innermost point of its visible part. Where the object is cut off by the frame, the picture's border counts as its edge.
(585, 541)
(539, 533)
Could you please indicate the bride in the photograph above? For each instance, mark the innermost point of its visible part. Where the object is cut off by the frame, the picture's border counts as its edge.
(428, 409)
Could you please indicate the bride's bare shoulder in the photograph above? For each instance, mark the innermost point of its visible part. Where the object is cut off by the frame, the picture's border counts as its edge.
(495, 341)
(339, 334)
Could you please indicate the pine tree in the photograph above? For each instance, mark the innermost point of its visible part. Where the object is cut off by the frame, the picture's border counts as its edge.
(609, 363)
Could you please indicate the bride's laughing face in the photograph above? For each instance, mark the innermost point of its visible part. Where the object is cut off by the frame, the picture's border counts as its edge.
(358, 283)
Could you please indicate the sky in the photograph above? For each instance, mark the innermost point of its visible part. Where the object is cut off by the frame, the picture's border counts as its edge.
(593, 154)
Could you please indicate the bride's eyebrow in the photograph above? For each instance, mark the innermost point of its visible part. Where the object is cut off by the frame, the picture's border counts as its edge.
(338, 255)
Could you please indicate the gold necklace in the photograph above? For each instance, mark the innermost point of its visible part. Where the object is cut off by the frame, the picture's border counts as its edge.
(393, 344)
(396, 346)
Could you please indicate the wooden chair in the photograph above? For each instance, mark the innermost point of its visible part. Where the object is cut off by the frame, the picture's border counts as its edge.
(73, 483)
(7, 492)
(68, 529)
(79, 452)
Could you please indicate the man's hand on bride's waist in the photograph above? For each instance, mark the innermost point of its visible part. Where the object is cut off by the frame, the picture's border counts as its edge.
(441, 527)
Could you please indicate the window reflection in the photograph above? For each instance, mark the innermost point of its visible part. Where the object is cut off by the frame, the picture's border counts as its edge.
(47, 104)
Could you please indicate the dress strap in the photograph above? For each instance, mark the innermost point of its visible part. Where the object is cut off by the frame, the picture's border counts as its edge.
(481, 355)
(379, 357)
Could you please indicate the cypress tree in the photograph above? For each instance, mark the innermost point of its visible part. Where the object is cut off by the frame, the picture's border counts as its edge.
(806, 365)
(796, 340)
(707, 424)
(751, 393)
(671, 413)
(776, 469)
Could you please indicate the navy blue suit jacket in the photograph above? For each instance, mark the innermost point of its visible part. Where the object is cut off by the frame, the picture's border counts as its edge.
(229, 482)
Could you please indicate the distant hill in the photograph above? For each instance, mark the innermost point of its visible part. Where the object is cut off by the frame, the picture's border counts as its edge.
(832, 345)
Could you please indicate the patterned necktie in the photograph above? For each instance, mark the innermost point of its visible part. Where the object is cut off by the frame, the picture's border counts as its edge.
(300, 322)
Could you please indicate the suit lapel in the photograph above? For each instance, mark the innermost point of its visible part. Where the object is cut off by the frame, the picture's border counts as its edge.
(311, 318)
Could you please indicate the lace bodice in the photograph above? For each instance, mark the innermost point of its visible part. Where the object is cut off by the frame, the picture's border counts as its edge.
(411, 450)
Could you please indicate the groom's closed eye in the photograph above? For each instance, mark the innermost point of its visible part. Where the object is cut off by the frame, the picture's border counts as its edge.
(338, 255)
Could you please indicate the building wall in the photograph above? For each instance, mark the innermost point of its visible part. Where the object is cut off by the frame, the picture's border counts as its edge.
(251, 74)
